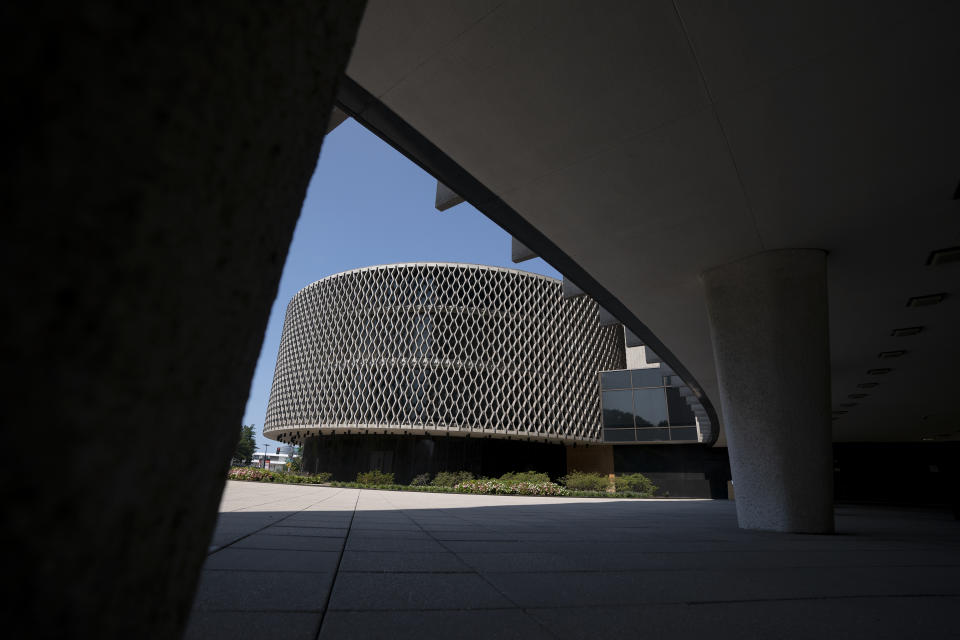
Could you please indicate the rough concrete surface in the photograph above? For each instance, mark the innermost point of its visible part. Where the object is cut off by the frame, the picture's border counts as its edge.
(770, 331)
(422, 565)
(158, 158)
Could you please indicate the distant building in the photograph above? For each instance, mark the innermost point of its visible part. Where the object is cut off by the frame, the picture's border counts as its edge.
(422, 367)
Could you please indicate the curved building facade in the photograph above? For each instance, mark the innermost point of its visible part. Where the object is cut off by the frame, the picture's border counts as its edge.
(441, 349)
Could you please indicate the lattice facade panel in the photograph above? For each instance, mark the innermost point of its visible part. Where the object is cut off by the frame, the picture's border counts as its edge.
(439, 347)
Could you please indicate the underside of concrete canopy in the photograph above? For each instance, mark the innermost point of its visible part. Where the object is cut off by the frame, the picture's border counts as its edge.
(650, 142)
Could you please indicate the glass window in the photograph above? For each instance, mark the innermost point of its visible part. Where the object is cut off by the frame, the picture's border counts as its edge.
(647, 377)
(650, 407)
(618, 435)
(653, 435)
(615, 380)
(618, 408)
(684, 433)
(680, 412)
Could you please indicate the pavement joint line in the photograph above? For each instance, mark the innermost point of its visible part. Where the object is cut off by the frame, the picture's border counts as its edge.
(539, 623)
(216, 549)
(336, 571)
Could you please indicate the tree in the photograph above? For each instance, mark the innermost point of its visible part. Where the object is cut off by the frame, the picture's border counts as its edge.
(246, 444)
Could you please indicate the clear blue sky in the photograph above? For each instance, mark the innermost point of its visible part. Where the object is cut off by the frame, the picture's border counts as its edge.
(368, 205)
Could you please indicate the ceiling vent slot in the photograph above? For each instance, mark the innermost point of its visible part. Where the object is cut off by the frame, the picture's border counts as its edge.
(867, 385)
(857, 396)
(891, 354)
(906, 331)
(926, 301)
(882, 371)
(943, 256)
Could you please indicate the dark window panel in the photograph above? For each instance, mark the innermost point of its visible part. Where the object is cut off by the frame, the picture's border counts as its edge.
(647, 377)
(650, 408)
(620, 435)
(653, 435)
(685, 434)
(615, 380)
(681, 415)
(618, 408)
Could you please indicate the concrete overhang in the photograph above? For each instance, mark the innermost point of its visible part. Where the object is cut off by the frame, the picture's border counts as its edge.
(652, 141)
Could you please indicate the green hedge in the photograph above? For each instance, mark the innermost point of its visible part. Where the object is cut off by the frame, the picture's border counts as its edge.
(635, 483)
(451, 478)
(499, 487)
(534, 477)
(255, 474)
(583, 481)
(374, 477)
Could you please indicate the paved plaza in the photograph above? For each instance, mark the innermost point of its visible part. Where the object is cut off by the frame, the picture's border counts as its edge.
(302, 562)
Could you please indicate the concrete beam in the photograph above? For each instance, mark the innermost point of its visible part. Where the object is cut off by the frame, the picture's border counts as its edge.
(337, 117)
(519, 251)
(570, 290)
(605, 318)
(446, 198)
(632, 339)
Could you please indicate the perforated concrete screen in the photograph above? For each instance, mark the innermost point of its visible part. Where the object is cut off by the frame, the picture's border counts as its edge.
(439, 347)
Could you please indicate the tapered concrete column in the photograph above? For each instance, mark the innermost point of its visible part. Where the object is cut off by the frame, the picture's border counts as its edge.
(768, 319)
(159, 157)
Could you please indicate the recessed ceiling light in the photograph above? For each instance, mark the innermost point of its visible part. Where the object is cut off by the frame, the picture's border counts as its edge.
(943, 256)
(906, 331)
(882, 371)
(857, 396)
(926, 301)
(868, 385)
(892, 354)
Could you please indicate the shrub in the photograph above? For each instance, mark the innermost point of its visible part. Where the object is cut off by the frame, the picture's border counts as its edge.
(421, 480)
(374, 477)
(451, 478)
(499, 487)
(255, 474)
(524, 476)
(635, 483)
(583, 481)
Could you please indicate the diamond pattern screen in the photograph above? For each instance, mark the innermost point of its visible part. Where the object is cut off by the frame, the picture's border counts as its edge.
(439, 347)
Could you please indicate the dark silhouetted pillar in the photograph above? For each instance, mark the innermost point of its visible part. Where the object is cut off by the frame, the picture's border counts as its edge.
(158, 155)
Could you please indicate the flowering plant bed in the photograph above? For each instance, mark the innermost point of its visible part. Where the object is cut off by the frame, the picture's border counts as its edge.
(255, 474)
(502, 488)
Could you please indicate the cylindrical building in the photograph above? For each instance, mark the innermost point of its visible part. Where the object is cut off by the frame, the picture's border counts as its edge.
(436, 349)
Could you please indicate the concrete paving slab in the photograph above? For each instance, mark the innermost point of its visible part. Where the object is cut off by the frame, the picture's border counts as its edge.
(391, 561)
(262, 591)
(492, 624)
(251, 625)
(268, 540)
(373, 591)
(852, 618)
(273, 560)
(447, 565)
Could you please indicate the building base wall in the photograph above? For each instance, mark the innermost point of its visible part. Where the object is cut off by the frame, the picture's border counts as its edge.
(408, 456)
(679, 471)
(590, 459)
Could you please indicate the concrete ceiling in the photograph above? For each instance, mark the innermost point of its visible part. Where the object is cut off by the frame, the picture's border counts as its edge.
(653, 140)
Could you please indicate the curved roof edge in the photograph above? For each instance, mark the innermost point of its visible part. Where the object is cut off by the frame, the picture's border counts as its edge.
(373, 114)
(393, 265)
